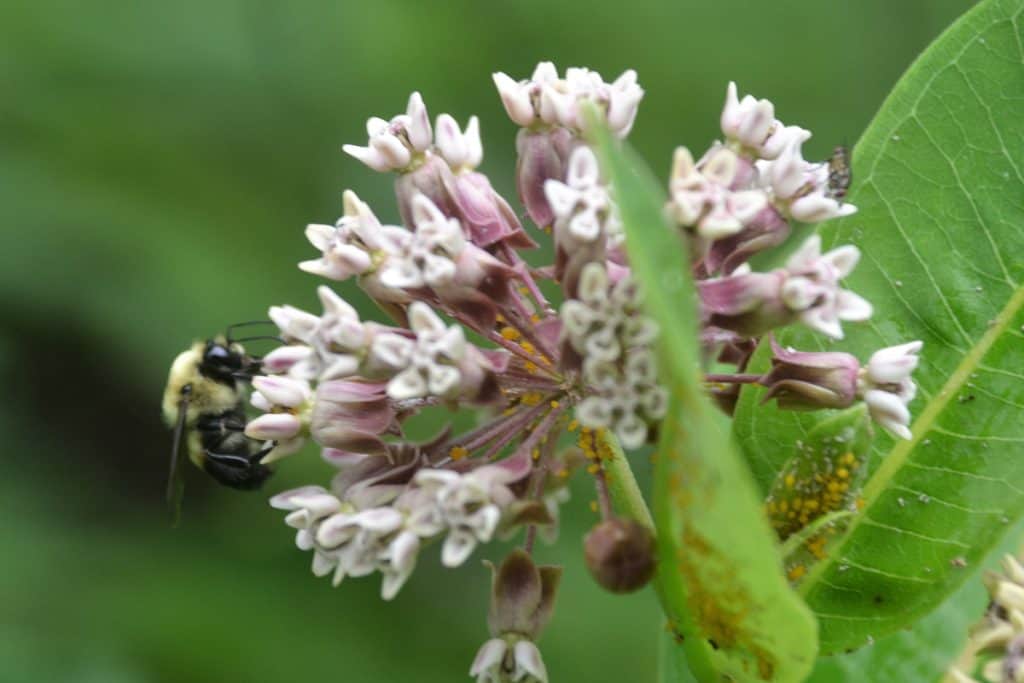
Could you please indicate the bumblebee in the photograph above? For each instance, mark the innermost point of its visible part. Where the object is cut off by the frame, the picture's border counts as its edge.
(204, 403)
(840, 174)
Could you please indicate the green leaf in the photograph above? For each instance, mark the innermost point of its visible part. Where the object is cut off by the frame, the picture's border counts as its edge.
(720, 576)
(927, 650)
(939, 179)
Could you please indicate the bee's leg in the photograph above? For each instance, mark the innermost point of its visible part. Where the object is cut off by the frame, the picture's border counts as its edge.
(255, 458)
(228, 460)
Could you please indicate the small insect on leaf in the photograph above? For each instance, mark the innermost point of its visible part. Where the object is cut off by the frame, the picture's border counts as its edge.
(840, 175)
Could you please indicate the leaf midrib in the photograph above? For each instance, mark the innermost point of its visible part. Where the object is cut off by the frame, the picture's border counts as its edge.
(902, 450)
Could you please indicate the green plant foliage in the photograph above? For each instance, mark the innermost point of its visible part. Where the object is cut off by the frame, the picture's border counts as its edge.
(940, 176)
(925, 651)
(720, 577)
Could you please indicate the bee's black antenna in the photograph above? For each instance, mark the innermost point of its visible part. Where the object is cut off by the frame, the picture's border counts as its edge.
(248, 323)
(262, 337)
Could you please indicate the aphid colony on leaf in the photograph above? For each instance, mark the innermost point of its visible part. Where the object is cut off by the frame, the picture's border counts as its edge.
(534, 350)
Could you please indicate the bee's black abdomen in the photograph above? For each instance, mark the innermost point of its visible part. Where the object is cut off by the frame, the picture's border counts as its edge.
(243, 477)
(230, 456)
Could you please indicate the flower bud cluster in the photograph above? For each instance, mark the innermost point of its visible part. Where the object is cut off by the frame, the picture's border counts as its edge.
(610, 342)
(547, 99)
(375, 519)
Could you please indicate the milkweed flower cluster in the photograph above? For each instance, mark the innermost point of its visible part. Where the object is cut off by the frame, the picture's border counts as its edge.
(469, 322)
(995, 652)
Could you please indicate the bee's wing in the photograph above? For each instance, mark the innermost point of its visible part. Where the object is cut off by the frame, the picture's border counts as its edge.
(176, 478)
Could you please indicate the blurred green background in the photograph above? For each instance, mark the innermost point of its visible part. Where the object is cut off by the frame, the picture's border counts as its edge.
(158, 162)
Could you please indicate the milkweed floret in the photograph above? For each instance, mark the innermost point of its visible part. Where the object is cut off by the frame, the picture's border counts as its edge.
(705, 199)
(809, 380)
(396, 144)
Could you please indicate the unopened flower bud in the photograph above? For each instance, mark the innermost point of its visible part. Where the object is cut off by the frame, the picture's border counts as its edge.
(620, 555)
(522, 596)
(543, 156)
(811, 380)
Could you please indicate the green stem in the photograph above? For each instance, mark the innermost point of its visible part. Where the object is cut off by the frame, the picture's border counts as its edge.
(673, 665)
(629, 501)
(794, 542)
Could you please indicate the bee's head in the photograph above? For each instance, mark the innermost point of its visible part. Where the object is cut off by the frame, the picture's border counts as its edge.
(223, 362)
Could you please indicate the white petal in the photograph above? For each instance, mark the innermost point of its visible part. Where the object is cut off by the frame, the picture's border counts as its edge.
(450, 142)
(798, 293)
(283, 358)
(322, 564)
(485, 522)
(369, 156)
(844, 259)
(594, 412)
(273, 427)
(336, 530)
(806, 255)
(718, 224)
(438, 271)
(488, 659)
(320, 235)
(585, 226)
(683, 167)
(721, 167)
(850, 306)
(392, 150)
(299, 519)
(816, 207)
(407, 384)
(583, 168)
(381, 520)
(747, 204)
(544, 72)
(593, 284)
(474, 147)
(516, 99)
(436, 477)
(285, 499)
(391, 350)
(419, 123)
(457, 548)
(889, 411)
(528, 661)
(401, 274)
(304, 539)
(282, 391)
(561, 197)
(632, 431)
(894, 364)
(824, 321)
(423, 319)
(443, 379)
(339, 366)
(375, 125)
(317, 504)
(788, 173)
